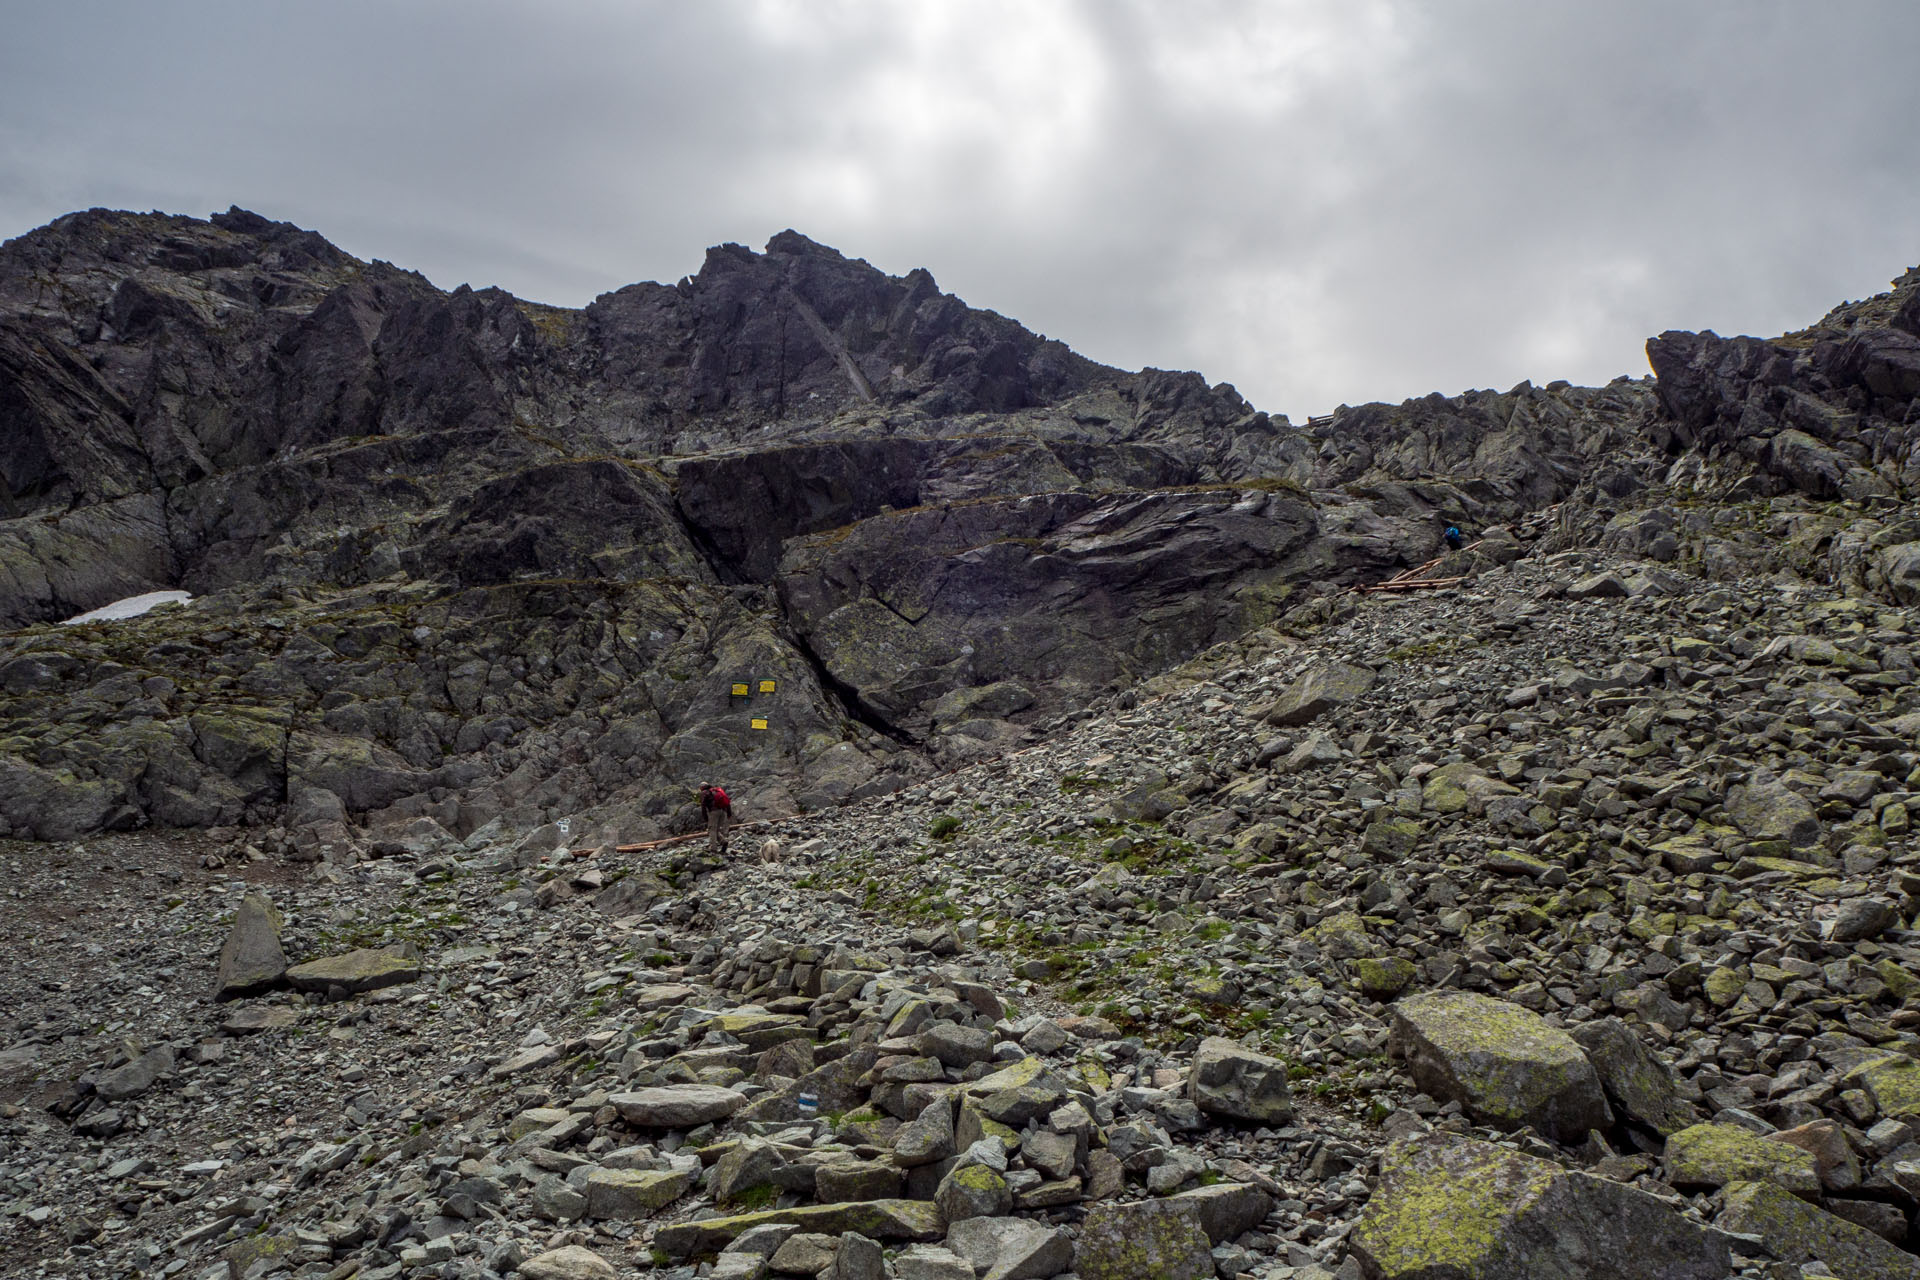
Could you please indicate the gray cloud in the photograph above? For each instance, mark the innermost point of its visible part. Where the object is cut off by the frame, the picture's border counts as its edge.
(1317, 202)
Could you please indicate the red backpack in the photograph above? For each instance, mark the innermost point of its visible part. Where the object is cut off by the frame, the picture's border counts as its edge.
(719, 799)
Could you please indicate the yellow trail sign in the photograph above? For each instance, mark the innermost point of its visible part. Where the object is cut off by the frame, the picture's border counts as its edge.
(766, 686)
(759, 724)
(739, 691)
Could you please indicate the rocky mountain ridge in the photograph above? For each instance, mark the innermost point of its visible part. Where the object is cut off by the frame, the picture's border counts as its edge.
(930, 528)
(1136, 899)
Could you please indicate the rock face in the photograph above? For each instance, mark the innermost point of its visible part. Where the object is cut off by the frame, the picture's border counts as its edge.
(1451, 1209)
(1505, 1065)
(490, 559)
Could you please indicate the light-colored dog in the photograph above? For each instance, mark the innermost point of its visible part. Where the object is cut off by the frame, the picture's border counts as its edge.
(771, 852)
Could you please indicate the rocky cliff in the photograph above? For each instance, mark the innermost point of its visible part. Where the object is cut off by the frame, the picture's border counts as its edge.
(465, 557)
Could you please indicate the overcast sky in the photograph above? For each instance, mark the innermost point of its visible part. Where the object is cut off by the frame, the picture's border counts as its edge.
(1318, 202)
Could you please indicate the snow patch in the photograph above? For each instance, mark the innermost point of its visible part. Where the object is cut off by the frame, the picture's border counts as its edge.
(131, 607)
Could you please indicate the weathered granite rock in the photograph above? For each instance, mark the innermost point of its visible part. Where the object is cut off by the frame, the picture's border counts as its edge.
(1455, 1209)
(136, 1077)
(1159, 1238)
(1799, 1233)
(631, 1194)
(676, 1106)
(1764, 809)
(1893, 1082)
(1505, 1065)
(1641, 1085)
(1011, 1248)
(1321, 688)
(1712, 1155)
(1228, 1210)
(972, 1191)
(572, 1262)
(915, 1220)
(367, 969)
(1229, 1080)
(251, 960)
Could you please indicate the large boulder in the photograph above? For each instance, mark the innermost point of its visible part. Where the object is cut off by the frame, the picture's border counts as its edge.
(1765, 809)
(1326, 685)
(251, 960)
(367, 969)
(1709, 1156)
(676, 1106)
(1449, 1208)
(1163, 1239)
(1011, 1248)
(571, 1262)
(1239, 1084)
(1642, 1086)
(910, 1220)
(1507, 1066)
(1798, 1233)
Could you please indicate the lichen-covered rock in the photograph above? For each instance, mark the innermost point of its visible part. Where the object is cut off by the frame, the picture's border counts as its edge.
(676, 1106)
(1383, 978)
(1707, 1156)
(1462, 788)
(251, 960)
(1638, 1083)
(1321, 688)
(631, 1194)
(973, 1191)
(1163, 1239)
(1893, 1082)
(367, 969)
(571, 1262)
(1232, 1081)
(1505, 1065)
(1796, 1232)
(1765, 809)
(1455, 1209)
(914, 1220)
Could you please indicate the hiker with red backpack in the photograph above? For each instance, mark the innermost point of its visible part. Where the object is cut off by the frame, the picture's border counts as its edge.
(718, 809)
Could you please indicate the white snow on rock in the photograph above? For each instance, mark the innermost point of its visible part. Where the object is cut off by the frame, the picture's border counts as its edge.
(131, 607)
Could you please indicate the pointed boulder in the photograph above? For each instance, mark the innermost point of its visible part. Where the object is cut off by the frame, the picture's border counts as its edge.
(251, 961)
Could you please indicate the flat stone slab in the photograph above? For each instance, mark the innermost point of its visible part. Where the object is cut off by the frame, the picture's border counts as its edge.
(631, 1194)
(367, 969)
(677, 1106)
(908, 1220)
(1507, 1066)
(758, 1031)
(1321, 688)
(256, 1018)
